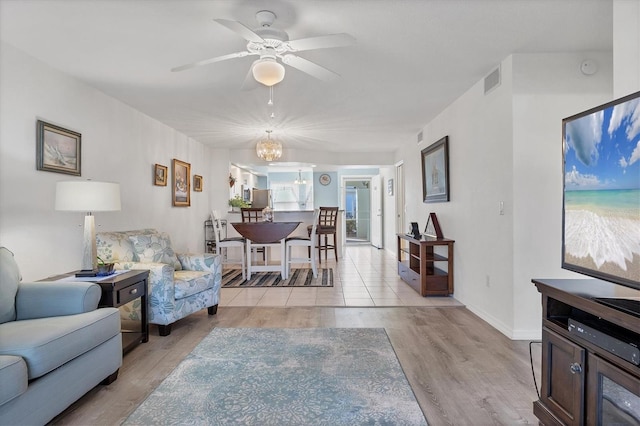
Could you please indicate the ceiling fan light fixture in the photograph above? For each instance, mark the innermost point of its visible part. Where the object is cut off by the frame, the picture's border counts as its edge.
(268, 149)
(268, 71)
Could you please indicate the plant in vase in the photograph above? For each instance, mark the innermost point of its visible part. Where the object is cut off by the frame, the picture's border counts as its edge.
(104, 268)
(237, 203)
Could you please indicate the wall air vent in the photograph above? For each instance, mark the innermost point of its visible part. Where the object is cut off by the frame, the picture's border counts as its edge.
(492, 80)
(419, 137)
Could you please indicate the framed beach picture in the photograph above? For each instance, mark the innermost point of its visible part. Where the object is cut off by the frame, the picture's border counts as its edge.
(57, 149)
(181, 183)
(197, 183)
(435, 172)
(160, 175)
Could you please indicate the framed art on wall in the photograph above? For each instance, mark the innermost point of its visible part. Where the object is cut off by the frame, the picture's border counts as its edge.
(57, 149)
(197, 183)
(181, 183)
(435, 172)
(160, 175)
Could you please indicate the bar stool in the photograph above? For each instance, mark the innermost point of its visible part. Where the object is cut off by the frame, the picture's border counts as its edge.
(326, 226)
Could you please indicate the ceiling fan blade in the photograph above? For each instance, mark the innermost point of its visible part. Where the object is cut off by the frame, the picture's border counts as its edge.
(240, 29)
(321, 42)
(210, 61)
(311, 68)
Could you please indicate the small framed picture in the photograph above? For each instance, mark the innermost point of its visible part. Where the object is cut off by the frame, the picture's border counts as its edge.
(197, 183)
(160, 175)
(57, 149)
(181, 183)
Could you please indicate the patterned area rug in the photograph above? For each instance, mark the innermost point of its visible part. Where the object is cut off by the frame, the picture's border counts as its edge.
(254, 376)
(300, 277)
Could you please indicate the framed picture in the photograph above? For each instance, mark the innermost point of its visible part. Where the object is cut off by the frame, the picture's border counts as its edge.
(390, 187)
(160, 175)
(57, 149)
(435, 172)
(181, 183)
(197, 183)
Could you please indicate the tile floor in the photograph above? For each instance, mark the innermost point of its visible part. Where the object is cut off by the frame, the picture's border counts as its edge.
(365, 276)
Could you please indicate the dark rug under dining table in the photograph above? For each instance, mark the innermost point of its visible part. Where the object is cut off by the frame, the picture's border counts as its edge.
(299, 277)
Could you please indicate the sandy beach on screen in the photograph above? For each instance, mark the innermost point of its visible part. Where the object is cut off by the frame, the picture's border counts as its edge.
(632, 272)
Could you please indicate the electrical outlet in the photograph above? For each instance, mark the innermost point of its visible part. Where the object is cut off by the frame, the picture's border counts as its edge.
(501, 208)
(488, 281)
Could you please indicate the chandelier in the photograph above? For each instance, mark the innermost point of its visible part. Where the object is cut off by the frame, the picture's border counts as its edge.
(300, 181)
(268, 149)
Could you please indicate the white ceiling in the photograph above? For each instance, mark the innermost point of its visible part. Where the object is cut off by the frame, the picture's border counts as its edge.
(412, 58)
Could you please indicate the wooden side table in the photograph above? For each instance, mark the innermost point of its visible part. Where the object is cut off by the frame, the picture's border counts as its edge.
(120, 289)
(117, 290)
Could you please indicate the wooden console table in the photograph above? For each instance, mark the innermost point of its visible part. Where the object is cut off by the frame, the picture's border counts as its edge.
(422, 268)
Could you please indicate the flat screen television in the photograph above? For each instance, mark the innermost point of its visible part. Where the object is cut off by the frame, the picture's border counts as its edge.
(601, 195)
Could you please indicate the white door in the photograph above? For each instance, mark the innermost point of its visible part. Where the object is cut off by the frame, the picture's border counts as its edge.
(376, 211)
(399, 193)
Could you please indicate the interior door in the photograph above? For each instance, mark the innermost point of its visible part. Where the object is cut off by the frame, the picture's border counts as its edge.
(400, 207)
(376, 211)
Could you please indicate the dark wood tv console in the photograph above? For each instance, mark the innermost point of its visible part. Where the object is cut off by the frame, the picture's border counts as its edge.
(583, 380)
(428, 272)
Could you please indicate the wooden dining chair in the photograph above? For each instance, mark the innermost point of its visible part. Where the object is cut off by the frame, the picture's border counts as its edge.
(326, 226)
(222, 244)
(251, 214)
(301, 241)
(254, 214)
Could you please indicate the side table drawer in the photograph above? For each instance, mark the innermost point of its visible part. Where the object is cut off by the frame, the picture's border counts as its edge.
(130, 293)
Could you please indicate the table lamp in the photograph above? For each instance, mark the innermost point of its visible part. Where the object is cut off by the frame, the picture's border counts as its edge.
(88, 196)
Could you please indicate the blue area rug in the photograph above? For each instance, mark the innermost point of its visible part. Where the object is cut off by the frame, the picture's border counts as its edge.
(258, 376)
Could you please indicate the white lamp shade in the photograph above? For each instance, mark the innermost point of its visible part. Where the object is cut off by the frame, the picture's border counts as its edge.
(268, 71)
(87, 196)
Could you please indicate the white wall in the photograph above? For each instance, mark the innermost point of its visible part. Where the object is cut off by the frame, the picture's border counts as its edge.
(626, 47)
(546, 89)
(119, 144)
(506, 147)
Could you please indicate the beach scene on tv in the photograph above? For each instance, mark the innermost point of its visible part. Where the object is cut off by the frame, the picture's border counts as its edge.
(602, 190)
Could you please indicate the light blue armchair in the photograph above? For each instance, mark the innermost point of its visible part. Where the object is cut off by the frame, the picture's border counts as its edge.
(179, 284)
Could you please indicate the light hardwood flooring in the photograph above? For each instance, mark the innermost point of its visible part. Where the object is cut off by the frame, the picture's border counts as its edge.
(462, 371)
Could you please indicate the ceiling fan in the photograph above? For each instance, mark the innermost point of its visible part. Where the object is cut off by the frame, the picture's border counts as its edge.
(271, 44)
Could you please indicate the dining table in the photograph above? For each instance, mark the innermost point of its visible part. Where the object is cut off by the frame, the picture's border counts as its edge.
(266, 234)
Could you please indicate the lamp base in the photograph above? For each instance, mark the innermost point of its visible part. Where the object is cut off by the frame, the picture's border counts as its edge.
(87, 273)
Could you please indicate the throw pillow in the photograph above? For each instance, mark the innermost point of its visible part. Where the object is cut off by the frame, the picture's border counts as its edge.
(114, 247)
(155, 248)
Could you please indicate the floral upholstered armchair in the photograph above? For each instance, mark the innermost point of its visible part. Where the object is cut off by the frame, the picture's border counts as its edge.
(179, 284)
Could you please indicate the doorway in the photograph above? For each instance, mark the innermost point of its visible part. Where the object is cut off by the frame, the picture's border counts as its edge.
(357, 210)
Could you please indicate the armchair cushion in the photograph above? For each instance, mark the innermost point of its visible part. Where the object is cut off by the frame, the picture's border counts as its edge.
(155, 248)
(9, 280)
(191, 282)
(45, 347)
(49, 299)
